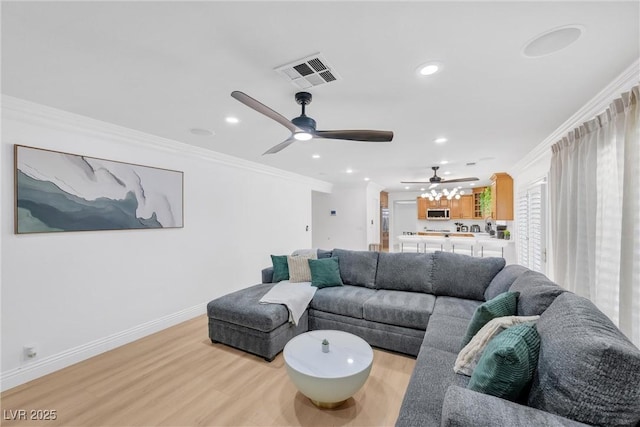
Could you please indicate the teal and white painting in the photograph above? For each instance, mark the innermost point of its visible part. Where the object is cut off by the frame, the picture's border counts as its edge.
(67, 192)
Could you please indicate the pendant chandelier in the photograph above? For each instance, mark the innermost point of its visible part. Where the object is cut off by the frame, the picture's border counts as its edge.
(448, 194)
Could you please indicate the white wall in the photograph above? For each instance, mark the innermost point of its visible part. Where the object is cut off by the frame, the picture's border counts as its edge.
(75, 295)
(373, 212)
(348, 228)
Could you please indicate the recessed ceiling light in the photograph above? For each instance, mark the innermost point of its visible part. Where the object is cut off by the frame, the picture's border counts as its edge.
(472, 184)
(232, 120)
(447, 173)
(366, 178)
(429, 68)
(316, 156)
(444, 162)
(422, 189)
(349, 170)
(407, 187)
(201, 132)
(440, 140)
(552, 41)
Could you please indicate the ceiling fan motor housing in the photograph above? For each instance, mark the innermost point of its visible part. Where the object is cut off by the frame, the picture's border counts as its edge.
(305, 123)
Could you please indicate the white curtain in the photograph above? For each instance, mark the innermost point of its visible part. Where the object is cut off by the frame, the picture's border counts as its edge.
(594, 190)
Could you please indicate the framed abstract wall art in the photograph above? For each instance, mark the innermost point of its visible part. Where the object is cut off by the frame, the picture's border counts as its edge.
(58, 192)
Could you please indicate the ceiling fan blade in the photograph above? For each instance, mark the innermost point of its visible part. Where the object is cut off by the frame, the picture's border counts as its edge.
(261, 108)
(284, 144)
(356, 135)
(448, 181)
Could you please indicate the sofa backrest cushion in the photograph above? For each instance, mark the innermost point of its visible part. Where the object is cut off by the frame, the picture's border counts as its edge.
(463, 276)
(405, 272)
(324, 254)
(537, 293)
(587, 369)
(503, 280)
(357, 268)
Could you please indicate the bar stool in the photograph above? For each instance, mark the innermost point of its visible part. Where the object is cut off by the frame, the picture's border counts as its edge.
(493, 247)
(433, 243)
(409, 241)
(463, 244)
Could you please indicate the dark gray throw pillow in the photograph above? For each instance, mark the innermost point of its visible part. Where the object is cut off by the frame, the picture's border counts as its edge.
(537, 293)
(357, 268)
(587, 370)
(463, 276)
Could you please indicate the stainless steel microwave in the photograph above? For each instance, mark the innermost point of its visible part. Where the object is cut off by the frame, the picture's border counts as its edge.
(438, 214)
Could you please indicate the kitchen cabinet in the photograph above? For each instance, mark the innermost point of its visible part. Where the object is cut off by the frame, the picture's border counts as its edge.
(502, 196)
(422, 207)
(477, 212)
(462, 208)
(436, 204)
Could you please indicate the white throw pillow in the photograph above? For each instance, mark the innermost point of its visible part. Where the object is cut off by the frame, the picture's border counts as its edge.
(470, 354)
(299, 270)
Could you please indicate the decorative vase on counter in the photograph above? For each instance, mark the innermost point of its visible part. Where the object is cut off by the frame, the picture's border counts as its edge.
(325, 346)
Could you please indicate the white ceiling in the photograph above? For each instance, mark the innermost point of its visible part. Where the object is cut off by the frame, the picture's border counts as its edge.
(167, 67)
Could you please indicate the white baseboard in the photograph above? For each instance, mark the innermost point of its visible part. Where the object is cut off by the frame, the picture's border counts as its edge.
(47, 365)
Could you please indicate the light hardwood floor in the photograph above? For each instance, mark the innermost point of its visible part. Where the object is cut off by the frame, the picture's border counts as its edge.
(176, 377)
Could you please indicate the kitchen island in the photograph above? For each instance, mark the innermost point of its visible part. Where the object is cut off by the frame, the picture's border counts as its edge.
(474, 244)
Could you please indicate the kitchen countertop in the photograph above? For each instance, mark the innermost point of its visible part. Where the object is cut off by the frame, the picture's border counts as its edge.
(480, 238)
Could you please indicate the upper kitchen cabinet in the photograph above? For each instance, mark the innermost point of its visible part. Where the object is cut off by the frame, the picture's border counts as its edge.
(502, 196)
(477, 207)
(422, 207)
(462, 208)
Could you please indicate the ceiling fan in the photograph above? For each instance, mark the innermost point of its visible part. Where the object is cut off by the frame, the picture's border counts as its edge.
(303, 128)
(435, 179)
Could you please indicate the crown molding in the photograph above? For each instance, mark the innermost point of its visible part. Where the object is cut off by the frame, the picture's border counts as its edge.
(623, 83)
(38, 114)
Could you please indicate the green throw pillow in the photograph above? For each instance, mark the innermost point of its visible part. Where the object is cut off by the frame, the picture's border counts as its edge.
(508, 363)
(280, 268)
(325, 272)
(505, 304)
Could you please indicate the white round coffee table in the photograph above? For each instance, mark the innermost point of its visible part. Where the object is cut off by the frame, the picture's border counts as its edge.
(328, 379)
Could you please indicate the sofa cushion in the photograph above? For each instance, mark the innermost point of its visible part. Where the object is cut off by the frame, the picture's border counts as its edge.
(456, 307)
(324, 254)
(405, 271)
(503, 305)
(588, 370)
(463, 276)
(445, 333)
(464, 407)
(280, 268)
(423, 400)
(409, 309)
(507, 364)
(357, 268)
(325, 272)
(537, 293)
(243, 308)
(503, 280)
(345, 300)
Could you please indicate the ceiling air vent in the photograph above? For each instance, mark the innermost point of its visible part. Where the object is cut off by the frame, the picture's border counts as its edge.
(308, 72)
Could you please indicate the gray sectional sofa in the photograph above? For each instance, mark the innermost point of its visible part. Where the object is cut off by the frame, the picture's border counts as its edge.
(421, 305)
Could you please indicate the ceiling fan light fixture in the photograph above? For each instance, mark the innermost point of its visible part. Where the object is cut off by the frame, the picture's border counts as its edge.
(429, 68)
(302, 136)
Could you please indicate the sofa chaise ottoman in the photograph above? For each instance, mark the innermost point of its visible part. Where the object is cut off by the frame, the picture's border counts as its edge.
(239, 320)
